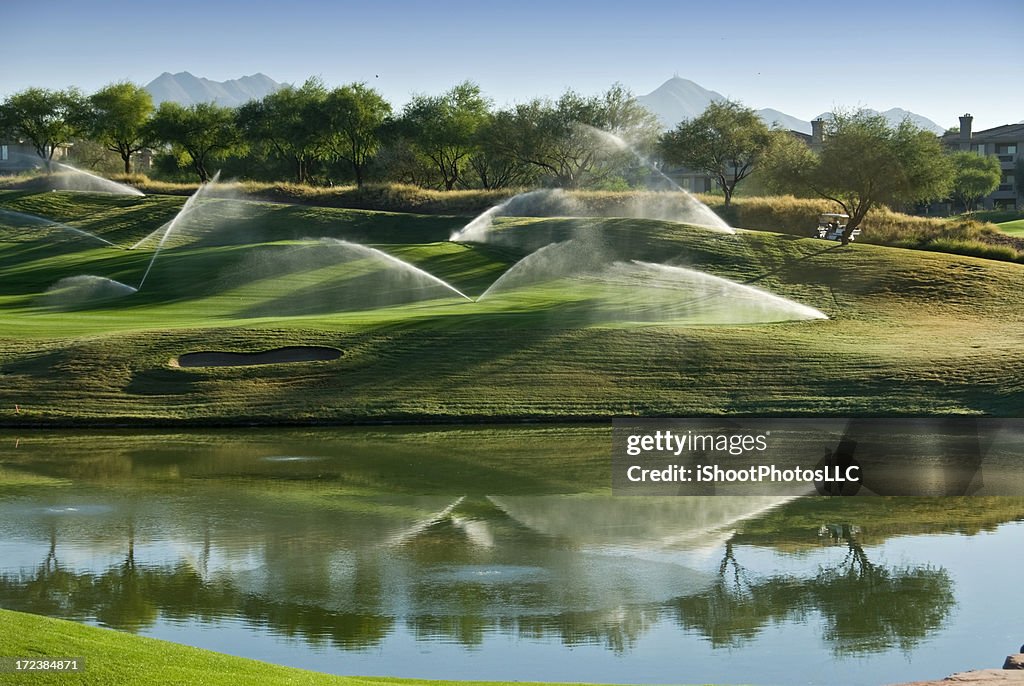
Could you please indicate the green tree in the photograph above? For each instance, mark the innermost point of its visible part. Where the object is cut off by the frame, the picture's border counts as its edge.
(577, 140)
(494, 164)
(621, 114)
(727, 142)
(443, 129)
(975, 176)
(290, 123)
(356, 114)
(864, 162)
(49, 119)
(203, 132)
(120, 113)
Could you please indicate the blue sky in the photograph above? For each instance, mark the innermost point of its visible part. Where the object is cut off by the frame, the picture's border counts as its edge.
(936, 58)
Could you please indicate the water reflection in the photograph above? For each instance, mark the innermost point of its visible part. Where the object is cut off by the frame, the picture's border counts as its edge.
(453, 572)
(342, 553)
(867, 607)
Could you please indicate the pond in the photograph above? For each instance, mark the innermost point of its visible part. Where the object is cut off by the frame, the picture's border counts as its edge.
(494, 554)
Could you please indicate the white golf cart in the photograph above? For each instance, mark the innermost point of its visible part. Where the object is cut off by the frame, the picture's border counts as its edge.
(831, 227)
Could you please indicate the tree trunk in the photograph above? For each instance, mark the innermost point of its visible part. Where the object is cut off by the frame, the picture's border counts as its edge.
(127, 163)
(728, 194)
(855, 220)
(47, 158)
(358, 170)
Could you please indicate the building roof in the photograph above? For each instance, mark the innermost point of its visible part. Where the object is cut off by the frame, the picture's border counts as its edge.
(801, 136)
(1006, 132)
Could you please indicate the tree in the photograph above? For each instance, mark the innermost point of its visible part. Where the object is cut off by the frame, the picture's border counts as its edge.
(49, 119)
(119, 116)
(356, 114)
(975, 176)
(203, 132)
(727, 142)
(864, 162)
(621, 114)
(494, 165)
(443, 129)
(579, 140)
(291, 123)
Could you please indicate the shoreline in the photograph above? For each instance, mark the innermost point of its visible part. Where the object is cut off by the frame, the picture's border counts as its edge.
(443, 420)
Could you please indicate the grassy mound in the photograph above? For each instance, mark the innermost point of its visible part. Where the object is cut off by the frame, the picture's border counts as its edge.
(910, 332)
(973, 234)
(967, 235)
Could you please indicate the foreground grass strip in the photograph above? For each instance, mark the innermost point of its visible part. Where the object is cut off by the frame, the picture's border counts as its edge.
(113, 657)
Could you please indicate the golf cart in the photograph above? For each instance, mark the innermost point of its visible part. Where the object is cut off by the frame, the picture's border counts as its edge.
(831, 227)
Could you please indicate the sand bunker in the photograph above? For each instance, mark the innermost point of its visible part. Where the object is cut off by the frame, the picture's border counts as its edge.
(296, 353)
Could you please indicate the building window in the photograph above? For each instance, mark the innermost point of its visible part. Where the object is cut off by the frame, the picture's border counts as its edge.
(1006, 149)
(980, 148)
(3, 152)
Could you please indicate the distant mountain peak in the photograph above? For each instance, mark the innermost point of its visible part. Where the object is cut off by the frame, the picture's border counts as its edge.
(186, 88)
(678, 99)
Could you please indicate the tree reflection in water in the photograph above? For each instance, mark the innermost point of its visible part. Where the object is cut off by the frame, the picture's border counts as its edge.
(866, 607)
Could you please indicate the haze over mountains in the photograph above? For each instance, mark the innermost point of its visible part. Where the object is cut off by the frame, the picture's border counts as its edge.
(671, 102)
(186, 89)
(679, 99)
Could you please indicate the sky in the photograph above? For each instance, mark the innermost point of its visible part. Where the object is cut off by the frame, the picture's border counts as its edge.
(936, 58)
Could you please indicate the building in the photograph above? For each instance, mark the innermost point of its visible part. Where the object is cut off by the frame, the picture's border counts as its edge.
(18, 156)
(1006, 143)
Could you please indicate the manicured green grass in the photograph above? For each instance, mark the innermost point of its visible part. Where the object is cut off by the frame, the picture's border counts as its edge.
(1014, 228)
(910, 332)
(115, 658)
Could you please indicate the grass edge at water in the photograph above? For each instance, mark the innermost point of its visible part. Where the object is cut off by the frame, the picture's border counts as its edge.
(114, 657)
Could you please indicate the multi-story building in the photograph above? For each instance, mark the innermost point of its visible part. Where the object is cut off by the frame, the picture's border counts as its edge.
(1005, 142)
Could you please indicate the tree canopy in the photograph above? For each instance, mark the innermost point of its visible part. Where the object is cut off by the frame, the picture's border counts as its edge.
(290, 123)
(726, 141)
(579, 140)
(442, 129)
(864, 162)
(202, 132)
(975, 176)
(119, 117)
(355, 116)
(49, 119)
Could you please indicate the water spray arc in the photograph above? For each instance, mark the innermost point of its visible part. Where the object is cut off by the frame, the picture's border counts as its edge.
(71, 178)
(704, 216)
(96, 183)
(49, 223)
(677, 204)
(178, 218)
(394, 262)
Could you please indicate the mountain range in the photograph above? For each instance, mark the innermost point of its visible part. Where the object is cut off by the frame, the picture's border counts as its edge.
(673, 101)
(186, 89)
(678, 99)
